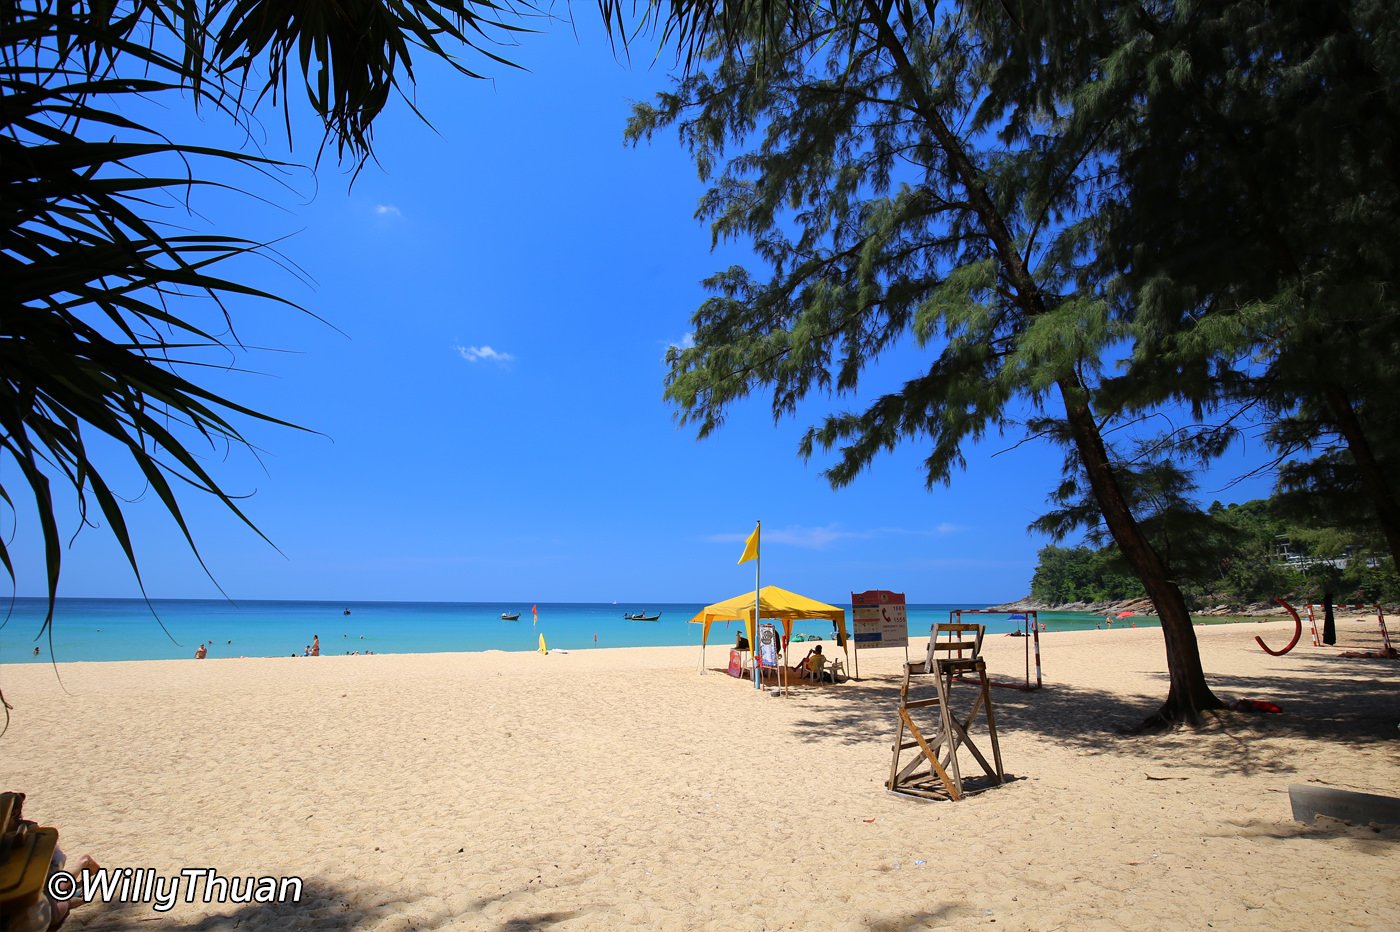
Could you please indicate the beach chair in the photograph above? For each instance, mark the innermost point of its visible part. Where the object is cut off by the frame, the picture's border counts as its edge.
(836, 668)
(934, 771)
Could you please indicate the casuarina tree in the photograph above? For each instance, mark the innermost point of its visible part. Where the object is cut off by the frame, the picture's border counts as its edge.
(1253, 201)
(889, 194)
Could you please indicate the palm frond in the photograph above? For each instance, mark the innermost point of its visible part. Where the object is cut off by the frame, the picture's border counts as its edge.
(98, 304)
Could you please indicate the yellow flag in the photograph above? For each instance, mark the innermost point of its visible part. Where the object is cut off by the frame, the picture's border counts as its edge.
(542, 647)
(751, 546)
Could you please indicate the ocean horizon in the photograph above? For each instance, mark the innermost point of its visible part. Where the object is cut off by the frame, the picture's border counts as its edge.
(89, 629)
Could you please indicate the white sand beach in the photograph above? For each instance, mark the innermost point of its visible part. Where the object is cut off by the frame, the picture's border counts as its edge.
(620, 789)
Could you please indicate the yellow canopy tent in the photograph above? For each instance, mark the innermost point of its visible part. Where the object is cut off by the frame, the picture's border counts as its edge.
(774, 604)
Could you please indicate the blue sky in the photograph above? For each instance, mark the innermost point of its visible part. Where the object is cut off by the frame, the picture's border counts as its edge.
(486, 388)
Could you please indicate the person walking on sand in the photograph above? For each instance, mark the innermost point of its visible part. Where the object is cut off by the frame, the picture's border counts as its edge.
(201, 652)
(315, 645)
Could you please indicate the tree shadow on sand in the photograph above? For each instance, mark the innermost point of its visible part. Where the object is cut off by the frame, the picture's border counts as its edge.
(1351, 702)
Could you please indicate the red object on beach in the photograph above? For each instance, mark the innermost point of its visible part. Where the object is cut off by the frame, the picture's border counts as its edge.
(1256, 705)
(1125, 614)
(1297, 633)
(1385, 634)
(1312, 620)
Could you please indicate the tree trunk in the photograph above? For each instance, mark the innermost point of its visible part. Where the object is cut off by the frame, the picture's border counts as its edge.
(1189, 694)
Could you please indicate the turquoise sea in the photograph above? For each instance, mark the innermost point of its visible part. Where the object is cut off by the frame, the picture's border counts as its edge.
(131, 629)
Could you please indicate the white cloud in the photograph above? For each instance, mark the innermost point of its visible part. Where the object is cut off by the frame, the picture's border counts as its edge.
(684, 343)
(478, 353)
(938, 530)
(944, 563)
(813, 538)
(819, 538)
(387, 210)
(808, 538)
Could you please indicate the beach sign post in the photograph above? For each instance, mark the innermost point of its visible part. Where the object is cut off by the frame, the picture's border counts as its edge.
(879, 618)
(751, 553)
(769, 642)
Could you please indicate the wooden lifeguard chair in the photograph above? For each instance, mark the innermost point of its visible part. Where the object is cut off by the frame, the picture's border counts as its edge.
(934, 772)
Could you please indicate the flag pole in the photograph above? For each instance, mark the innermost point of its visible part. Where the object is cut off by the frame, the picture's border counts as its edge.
(752, 546)
(757, 565)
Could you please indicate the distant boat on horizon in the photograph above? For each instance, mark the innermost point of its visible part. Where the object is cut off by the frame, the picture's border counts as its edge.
(640, 616)
(508, 616)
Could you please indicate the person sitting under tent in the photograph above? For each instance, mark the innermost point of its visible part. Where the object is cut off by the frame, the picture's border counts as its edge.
(813, 664)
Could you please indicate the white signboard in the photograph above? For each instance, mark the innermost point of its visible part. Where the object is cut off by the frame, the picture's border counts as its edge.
(879, 619)
(768, 645)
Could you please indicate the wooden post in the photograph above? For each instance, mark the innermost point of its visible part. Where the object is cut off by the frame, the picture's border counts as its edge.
(1034, 618)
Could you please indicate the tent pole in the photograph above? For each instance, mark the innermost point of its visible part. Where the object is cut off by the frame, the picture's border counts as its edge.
(1026, 626)
(757, 565)
(847, 646)
(787, 657)
(849, 636)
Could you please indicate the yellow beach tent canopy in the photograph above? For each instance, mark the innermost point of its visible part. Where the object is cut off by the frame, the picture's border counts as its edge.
(774, 604)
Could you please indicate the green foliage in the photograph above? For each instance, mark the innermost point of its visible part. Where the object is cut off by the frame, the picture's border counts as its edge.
(1081, 574)
(824, 160)
(350, 55)
(1249, 569)
(1192, 544)
(1253, 150)
(693, 27)
(1243, 217)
